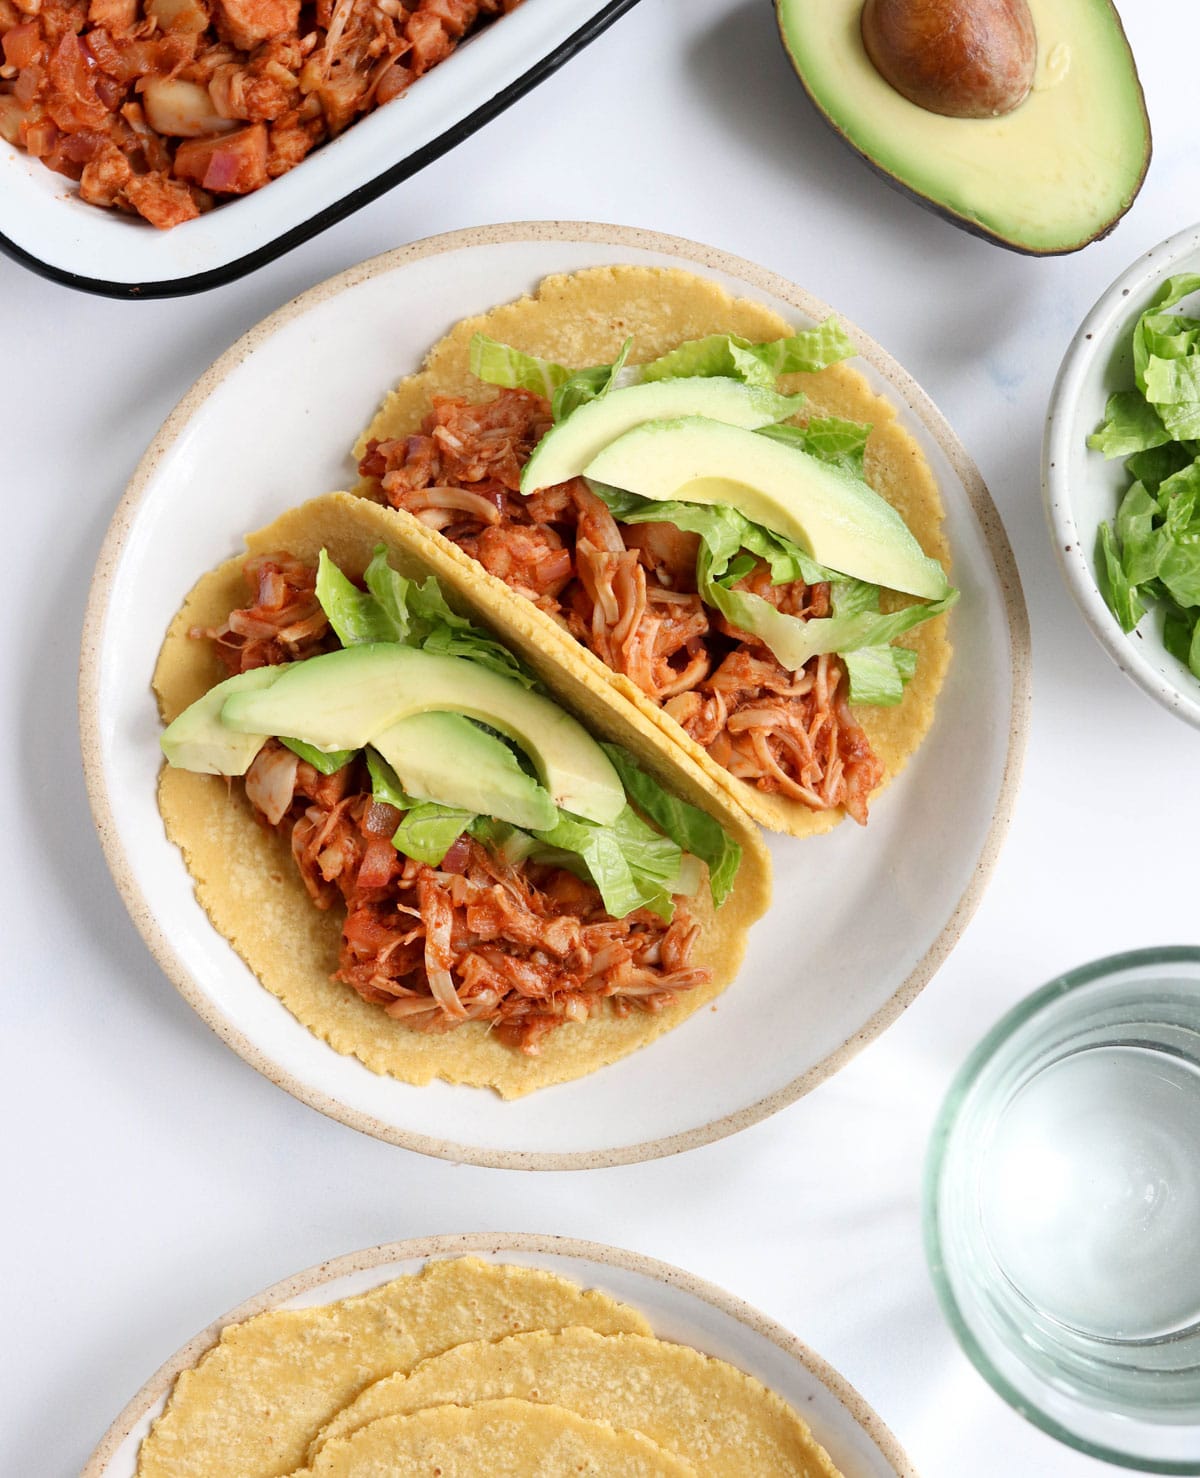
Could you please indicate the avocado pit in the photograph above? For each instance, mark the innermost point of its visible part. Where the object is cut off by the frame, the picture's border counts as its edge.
(960, 58)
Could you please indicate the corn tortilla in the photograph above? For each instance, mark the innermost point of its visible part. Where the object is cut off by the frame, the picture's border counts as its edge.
(496, 1439)
(253, 1404)
(248, 885)
(583, 319)
(720, 1420)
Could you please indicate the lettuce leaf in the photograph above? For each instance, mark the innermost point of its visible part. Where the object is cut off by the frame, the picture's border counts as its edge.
(1130, 425)
(565, 389)
(326, 763)
(724, 531)
(1181, 637)
(795, 641)
(1173, 389)
(1148, 331)
(1150, 552)
(754, 364)
(1138, 535)
(630, 863)
(355, 615)
(501, 364)
(692, 829)
(385, 783)
(856, 623)
(428, 831)
(832, 439)
(396, 609)
(878, 674)
(588, 384)
(1115, 584)
(718, 354)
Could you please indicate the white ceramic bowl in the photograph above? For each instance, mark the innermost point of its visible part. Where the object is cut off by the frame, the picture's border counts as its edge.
(680, 1308)
(1082, 490)
(44, 225)
(863, 917)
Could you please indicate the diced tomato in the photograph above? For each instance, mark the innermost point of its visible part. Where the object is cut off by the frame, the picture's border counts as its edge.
(234, 164)
(23, 45)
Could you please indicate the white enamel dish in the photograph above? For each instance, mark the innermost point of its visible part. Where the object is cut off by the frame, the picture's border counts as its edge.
(862, 918)
(680, 1308)
(1082, 490)
(47, 228)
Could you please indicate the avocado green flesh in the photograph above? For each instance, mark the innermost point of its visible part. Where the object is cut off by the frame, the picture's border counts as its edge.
(344, 699)
(446, 758)
(198, 740)
(831, 514)
(1050, 176)
(567, 448)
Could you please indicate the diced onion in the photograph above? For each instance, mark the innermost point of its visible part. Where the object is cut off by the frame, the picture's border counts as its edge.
(183, 110)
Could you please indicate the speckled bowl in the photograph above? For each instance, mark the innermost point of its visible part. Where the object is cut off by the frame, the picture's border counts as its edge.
(1082, 490)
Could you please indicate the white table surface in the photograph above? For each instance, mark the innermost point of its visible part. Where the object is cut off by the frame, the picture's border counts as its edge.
(153, 1179)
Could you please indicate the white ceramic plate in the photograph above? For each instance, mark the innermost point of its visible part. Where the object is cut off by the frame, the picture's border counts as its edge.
(680, 1308)
(862, 918)
(1082, 490)
(46, 227)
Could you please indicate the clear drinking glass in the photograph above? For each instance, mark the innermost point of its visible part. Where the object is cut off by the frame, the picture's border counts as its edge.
(1062, 1209)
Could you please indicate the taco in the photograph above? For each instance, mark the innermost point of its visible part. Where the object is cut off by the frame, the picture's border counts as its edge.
(695, 507)
(446, 853)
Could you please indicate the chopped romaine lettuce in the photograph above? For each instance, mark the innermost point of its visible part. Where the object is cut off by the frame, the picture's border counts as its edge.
(500, 364)
(1150, 552)
(395, 609)
(1120, 594)
(795, 641)
(317, 758)
(385, 783)
(692, 829)
(355, 615)
(878, 674)
(724, 533)
(565, 389)
(631, 865)
(1130, 425)
(727, 355)
(428, 831)
(588, 384)
(755, 364)
(830, 438)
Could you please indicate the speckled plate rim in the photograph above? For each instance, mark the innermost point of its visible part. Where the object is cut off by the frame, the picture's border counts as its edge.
(689, 253)
(1073, 546)
(482, 1243)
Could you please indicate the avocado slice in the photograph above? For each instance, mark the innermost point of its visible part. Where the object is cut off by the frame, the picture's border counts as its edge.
(829, 512)
(1052, 175)
(198, 740)
(446, 758)
(345, 699)
(567, 448)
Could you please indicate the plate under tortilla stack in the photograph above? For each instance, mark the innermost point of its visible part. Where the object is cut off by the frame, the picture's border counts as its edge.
(623, 1290)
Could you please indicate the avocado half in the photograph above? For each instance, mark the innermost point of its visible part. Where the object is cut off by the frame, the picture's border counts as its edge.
(1056, 173)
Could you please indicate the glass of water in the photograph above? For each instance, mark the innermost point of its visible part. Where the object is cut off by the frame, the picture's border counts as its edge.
(1062, 1209)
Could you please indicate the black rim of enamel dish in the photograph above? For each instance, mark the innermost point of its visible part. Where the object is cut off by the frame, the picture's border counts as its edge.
(216, 277)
